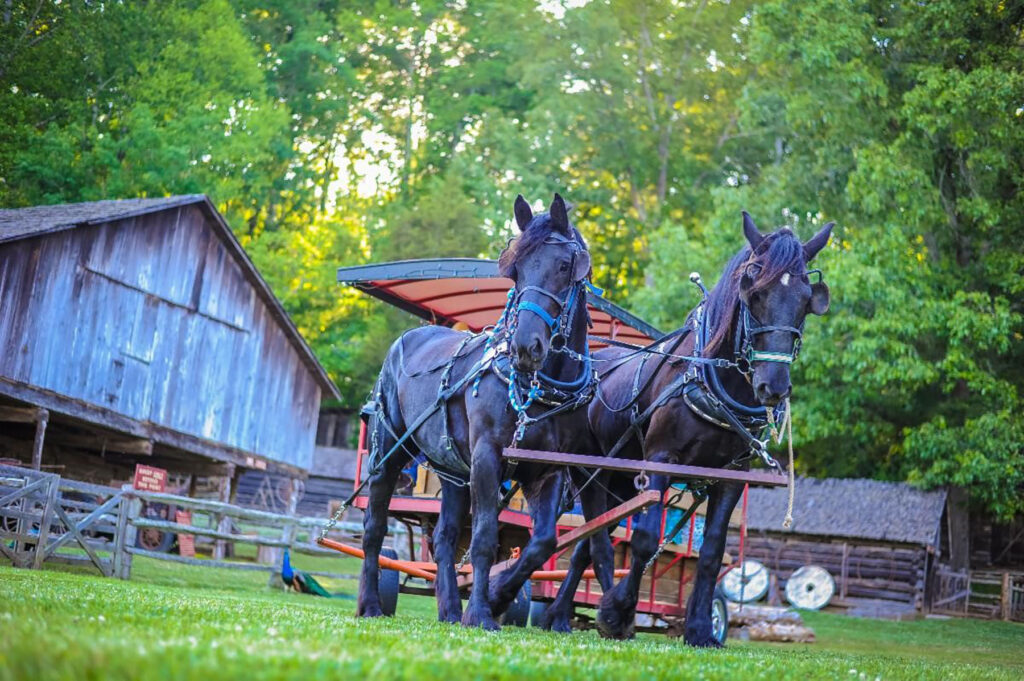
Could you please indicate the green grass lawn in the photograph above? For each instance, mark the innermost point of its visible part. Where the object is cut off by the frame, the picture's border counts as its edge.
(174, 622)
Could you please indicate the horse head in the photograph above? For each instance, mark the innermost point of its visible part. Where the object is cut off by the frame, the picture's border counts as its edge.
(776, 293)
(548, 261)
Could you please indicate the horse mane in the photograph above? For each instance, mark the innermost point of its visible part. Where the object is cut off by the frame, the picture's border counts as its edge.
(529, 240)
(780, 252)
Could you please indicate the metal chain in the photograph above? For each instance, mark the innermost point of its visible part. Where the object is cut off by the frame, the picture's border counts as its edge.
(698, 498)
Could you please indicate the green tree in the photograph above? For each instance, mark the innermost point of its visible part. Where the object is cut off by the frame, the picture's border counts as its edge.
(900, 121)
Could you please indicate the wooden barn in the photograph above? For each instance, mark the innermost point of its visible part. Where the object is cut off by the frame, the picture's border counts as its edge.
(880, 541)
(139, 331)
(331, 475)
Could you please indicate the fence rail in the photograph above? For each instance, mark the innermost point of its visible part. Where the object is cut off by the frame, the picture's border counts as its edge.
(46, 518)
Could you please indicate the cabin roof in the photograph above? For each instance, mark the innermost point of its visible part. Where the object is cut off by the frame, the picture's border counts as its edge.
(22, 223)
(855, 508)
(447, 291)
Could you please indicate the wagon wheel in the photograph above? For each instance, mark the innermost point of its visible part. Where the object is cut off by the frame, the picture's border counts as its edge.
(518, 613)
(388, 584)
(537, 610)
(719, 617)
(151, 539)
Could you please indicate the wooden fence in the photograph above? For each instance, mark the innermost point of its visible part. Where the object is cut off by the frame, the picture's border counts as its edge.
(46, 518)
(979, 593)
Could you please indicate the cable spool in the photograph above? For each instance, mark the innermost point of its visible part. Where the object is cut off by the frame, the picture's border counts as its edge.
(810, 588)
(746, 583)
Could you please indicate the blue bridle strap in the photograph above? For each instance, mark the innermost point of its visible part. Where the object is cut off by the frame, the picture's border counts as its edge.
(540, 312)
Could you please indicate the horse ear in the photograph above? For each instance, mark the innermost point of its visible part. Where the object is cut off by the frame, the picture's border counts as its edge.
(559, 215)
(582, 269)
(820, 298)
(506, 263)
(817, 242)
(523, 213)
(754, 237)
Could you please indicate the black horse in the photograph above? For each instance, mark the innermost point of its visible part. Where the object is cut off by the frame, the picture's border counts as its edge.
(461, 398)
(679, 410)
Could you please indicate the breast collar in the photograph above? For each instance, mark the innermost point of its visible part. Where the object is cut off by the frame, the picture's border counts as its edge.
(705, 395)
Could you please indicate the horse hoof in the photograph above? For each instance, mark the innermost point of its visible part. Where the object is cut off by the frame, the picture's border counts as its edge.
(474, 618)
(370, 611)
(559, 624)
(706, 641)
(615, 619)
(615, 628)
(449, 618)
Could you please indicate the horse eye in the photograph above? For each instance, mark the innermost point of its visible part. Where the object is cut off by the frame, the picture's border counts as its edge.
(753, 270)
(563, 266)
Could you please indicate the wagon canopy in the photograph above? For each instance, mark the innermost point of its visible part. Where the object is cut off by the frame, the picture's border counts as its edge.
(448, 291)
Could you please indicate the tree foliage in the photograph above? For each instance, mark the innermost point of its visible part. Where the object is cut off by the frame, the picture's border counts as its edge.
(334, 133)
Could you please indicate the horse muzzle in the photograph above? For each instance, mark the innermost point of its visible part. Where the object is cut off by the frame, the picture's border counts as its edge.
(529, 357)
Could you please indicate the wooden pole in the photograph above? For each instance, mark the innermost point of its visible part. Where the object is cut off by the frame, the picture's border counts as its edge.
(220, 547)
(42, 417)
(44, 522)
(1006, 598)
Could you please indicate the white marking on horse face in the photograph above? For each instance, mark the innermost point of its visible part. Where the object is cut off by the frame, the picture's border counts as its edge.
(785, 279)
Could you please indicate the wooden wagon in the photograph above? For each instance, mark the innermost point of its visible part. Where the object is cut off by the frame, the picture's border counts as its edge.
(469, 294)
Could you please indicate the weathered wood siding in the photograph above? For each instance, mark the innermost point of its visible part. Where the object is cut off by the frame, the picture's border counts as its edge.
(153, 318)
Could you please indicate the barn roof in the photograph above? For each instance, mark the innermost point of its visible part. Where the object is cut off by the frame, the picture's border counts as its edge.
(855, 508)
(21, 223)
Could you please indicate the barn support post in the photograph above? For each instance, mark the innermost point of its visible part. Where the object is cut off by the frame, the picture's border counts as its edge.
(42, 418)
(220, 547)
(845, 571)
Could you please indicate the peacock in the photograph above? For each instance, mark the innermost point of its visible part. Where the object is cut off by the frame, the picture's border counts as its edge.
(303, 582)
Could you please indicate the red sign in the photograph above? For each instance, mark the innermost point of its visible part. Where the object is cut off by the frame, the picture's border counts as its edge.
(186, 542)
(150, 478)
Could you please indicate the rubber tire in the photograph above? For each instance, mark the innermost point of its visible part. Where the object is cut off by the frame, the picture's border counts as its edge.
(388, 584)
(518, 613)
(167, 540)
(719, 617)
(537, 610)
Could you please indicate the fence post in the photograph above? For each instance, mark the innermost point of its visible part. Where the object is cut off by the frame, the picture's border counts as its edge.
(44, 523)
(1006, 598)
(124, 535)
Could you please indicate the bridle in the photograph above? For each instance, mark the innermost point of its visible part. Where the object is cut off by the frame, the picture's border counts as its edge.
(748, 327)
(562, 395)
(566, 301)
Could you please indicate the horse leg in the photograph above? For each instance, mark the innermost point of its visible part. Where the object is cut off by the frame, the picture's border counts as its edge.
(721, 502)
(616, 613)
(484, 481)
(454, 504)
(375, 527)
(544, 496)
(559, 613)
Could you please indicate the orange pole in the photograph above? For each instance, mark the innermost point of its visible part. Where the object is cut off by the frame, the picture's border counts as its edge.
(423, 569)
(559, 575)
(386, 563)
